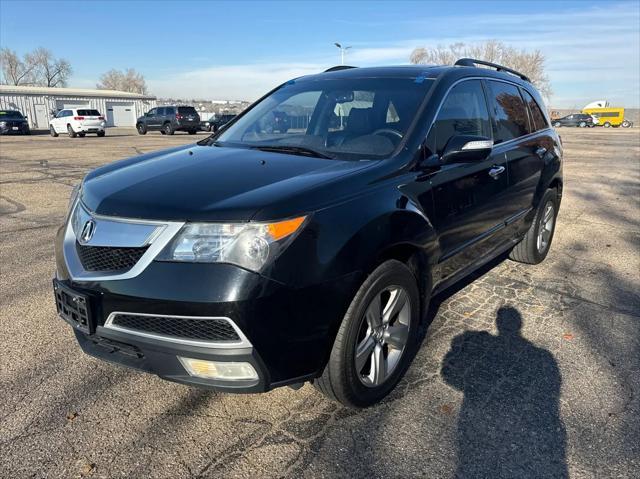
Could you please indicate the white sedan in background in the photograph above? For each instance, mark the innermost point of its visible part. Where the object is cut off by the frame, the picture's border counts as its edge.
(77, 122)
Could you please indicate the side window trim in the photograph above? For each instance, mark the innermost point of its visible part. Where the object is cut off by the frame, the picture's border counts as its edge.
(486, 90)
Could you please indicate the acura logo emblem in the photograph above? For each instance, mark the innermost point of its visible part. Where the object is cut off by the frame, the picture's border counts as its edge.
(87, 231)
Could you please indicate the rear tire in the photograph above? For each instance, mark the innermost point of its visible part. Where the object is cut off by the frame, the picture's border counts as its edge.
(81, 135)
(367, 362)
(52, 132)
(607, 125)
(193, 132)
(142, 129)
(557, 124)
(102, 133)
(168, 129)
(536, 243)
(583, 124)
(70, 132)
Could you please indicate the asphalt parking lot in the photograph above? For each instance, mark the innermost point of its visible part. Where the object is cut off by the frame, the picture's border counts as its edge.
(534, 371)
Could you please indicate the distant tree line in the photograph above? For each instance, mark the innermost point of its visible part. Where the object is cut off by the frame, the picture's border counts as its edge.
(37, 68)
(41, 68)
(531, 63)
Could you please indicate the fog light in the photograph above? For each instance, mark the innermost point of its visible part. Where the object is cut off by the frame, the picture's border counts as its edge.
(230, 371)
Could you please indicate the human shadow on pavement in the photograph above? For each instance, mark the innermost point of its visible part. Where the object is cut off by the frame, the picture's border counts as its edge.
(509, 424)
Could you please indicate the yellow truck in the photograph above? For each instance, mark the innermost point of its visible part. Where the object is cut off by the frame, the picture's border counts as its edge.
(608, 117)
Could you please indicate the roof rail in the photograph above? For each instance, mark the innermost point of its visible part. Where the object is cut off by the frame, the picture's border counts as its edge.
(472, 62)
(338, 68)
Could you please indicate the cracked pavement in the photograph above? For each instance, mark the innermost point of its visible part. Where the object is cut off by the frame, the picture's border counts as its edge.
(525, 371)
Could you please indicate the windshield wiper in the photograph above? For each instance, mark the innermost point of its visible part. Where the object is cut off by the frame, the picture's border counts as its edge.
(294, 150)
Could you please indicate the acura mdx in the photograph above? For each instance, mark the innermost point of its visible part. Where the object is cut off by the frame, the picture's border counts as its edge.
(264, 256)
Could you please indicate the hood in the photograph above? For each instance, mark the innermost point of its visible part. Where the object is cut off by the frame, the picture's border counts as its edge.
(206, 183)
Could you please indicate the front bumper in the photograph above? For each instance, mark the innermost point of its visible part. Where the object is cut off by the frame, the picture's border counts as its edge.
(18, 129)
(161, 358)
(290, 330)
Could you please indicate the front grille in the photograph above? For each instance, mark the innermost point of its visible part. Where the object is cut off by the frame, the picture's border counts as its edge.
(203, 329)
(107, 258)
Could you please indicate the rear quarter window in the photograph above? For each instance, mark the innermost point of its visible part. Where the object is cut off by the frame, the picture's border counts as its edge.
(510, 114)
(538, 118)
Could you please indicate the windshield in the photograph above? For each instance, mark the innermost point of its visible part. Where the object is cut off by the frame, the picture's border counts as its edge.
(10, 114)
(341, 118)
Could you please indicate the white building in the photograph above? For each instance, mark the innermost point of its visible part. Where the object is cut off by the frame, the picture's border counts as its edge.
(39, 104)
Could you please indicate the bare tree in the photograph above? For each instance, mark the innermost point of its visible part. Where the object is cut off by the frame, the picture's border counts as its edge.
(531, 63)
(49, 71)
(129, 80)
(14, 70)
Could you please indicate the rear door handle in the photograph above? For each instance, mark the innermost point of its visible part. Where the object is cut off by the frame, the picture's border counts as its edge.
(496, 171)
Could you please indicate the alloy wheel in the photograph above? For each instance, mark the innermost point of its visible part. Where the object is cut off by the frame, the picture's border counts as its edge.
(383, 336)
(545, 230)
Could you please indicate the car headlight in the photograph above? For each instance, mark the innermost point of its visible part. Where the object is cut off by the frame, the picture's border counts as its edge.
(3, 123)
(249, 245)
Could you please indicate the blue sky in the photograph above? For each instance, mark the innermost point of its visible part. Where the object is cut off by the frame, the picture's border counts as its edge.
(239, 50)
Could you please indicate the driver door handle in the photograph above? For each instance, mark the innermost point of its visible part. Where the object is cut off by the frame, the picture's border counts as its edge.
(496, 171)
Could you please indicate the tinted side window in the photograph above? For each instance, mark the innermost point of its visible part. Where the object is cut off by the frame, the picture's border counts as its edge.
(539, 120)
(509, 111)
(169, 110)
(463, 112)
(153, 111)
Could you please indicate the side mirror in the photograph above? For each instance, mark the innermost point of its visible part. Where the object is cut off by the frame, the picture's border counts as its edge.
(466, 148)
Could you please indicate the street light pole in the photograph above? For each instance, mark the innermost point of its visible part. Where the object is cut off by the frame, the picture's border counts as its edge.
(342, 50)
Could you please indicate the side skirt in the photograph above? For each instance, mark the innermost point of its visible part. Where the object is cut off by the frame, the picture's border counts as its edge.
(497, 251)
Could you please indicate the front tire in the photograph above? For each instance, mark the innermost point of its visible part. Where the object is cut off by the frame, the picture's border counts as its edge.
(101, 133)
(607, 125)
(557, 124)
(376, 340)
(583, 124)
(536, 243)
(70, 132)
(193, 132)
(142, 129)
(52, 132)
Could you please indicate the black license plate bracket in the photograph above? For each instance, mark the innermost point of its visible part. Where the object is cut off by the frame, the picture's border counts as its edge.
(73, 307)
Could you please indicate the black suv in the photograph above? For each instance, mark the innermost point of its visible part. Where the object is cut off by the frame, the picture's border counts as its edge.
(169, 119)
(256, 259)
(12, 121)
(581, 120)
(216, 122)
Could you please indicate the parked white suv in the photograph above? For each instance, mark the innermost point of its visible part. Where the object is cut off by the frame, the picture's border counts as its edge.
(77, 122)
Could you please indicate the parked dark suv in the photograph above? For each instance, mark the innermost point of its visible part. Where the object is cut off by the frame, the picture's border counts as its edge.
(216, 122)
(169, 119)
(581, 120)
(256, 259)
(12, 121)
